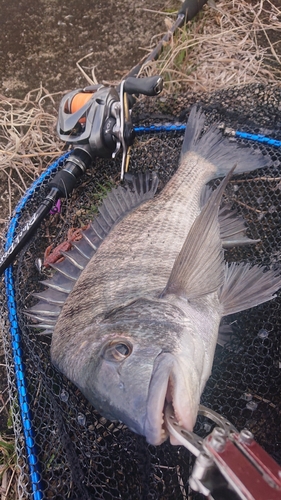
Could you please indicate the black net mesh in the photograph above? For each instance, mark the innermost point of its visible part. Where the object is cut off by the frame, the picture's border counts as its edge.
(79, 454)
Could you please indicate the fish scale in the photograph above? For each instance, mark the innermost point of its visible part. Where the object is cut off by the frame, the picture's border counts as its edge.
(142, 249)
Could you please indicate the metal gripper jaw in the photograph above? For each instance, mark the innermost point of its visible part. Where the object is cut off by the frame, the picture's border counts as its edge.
(230, 465)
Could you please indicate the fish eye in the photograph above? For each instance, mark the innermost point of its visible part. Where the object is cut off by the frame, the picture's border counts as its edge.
(117, 350)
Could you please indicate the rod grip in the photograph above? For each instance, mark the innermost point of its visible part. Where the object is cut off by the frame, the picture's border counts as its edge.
(66, 179)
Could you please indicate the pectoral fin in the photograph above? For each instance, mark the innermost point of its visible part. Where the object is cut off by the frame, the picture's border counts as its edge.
(199, 269)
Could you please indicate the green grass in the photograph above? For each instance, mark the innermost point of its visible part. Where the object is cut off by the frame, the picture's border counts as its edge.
(98, 195)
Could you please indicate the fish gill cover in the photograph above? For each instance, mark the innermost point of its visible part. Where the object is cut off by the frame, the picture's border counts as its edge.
(65, 448)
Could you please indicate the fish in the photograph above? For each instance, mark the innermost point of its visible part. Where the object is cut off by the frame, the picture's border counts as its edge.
(135, 308)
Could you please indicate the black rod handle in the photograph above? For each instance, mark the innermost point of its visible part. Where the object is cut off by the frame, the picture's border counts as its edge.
(28, 229)
(60, 186)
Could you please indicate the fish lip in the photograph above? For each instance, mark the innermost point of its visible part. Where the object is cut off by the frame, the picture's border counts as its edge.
(154, 430)
(168, 385)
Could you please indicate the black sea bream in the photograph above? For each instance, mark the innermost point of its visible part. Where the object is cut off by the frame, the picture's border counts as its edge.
(135, 308)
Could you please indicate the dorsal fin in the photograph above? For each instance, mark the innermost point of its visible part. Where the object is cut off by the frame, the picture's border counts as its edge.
(137, 189)
(119, 202)
(122, 200)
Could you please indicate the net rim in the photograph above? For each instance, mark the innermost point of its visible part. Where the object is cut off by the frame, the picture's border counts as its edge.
(15, 334)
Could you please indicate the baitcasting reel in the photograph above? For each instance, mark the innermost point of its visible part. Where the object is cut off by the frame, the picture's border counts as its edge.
(98, 118)
(95, 120)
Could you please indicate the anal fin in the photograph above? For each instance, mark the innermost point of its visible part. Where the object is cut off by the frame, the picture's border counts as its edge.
(225, 333)
(247, 286)
(232, 226)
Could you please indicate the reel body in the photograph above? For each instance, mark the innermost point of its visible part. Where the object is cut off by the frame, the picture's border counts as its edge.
(88, 116)
(99, 117)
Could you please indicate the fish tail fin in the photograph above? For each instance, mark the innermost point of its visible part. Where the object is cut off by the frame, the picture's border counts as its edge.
(218, 150)
(247, 286)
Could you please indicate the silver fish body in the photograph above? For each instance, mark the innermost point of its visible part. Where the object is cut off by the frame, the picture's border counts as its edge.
(136, 260)
(140, 324)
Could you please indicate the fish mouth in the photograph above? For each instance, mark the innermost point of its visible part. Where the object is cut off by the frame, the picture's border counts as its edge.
(167, 385)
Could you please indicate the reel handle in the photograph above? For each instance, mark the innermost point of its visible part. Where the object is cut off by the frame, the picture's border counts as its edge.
(151, 85)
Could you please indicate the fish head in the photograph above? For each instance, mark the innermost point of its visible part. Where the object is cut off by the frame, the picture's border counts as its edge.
(135, 361)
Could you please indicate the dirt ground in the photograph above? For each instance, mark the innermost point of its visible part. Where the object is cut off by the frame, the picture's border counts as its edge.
(40, 42)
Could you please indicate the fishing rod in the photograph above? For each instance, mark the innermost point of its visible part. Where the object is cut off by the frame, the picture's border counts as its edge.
(188, 10)
(96, 121)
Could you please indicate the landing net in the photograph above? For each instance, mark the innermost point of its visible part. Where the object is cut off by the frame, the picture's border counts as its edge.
(65, 449)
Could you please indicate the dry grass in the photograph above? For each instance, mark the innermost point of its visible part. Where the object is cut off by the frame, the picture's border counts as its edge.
(8, 469)
(228, 44)
(28, 140)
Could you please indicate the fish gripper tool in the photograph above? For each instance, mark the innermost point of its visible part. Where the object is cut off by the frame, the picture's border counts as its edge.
(229, 465)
